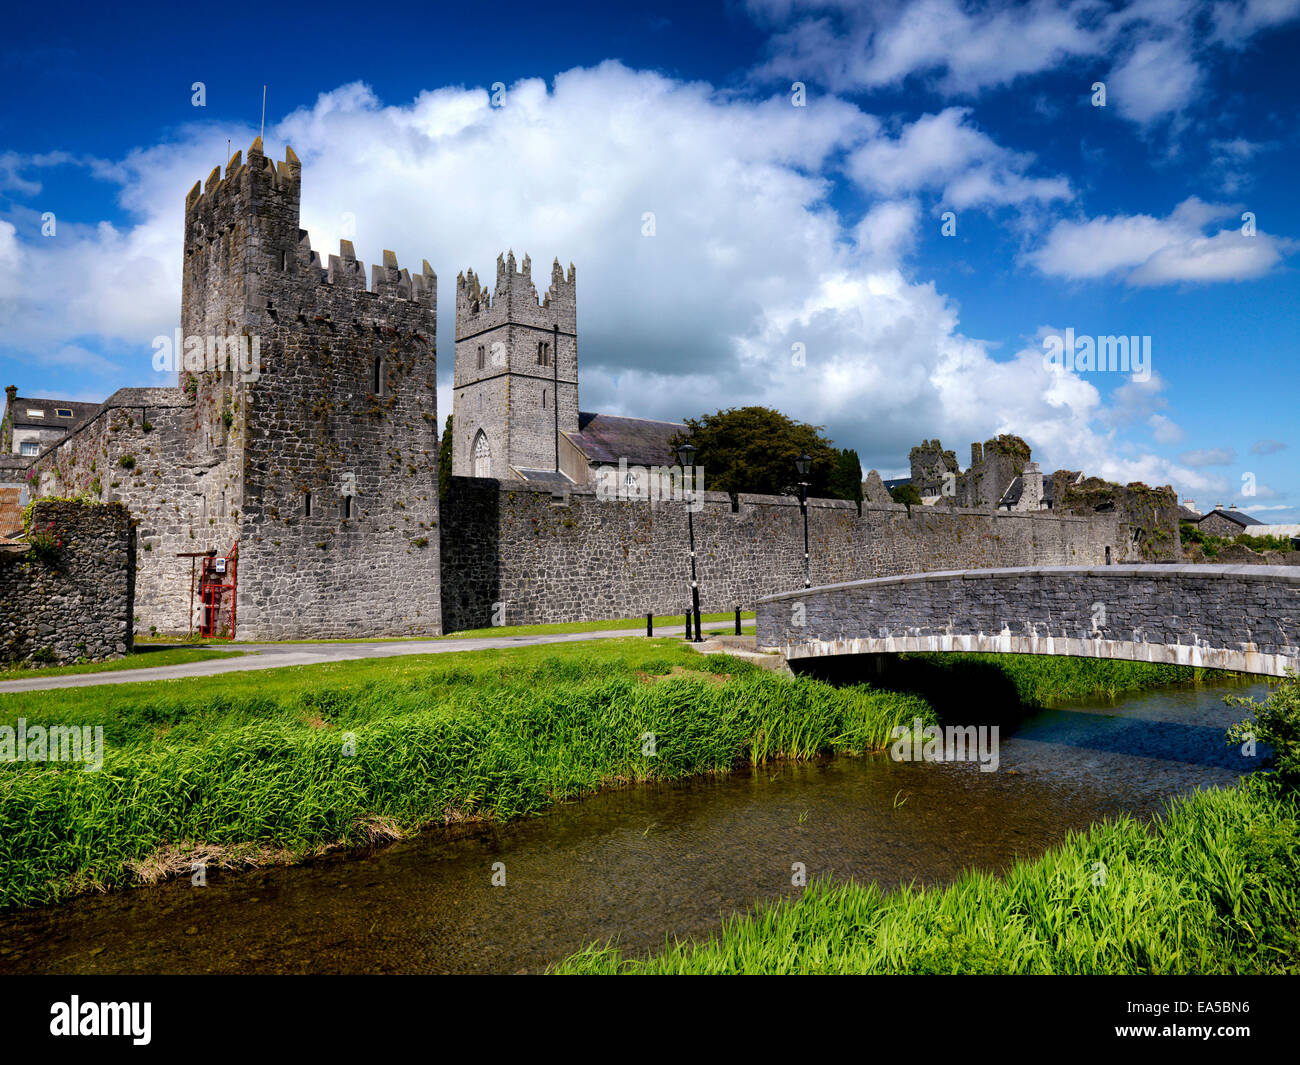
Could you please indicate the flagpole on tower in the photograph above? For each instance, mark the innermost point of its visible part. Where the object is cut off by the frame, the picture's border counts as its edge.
(263, 133)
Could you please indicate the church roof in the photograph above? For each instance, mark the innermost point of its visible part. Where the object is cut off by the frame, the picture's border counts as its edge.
(607, 438)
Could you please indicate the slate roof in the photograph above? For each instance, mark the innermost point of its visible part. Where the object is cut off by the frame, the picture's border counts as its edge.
(607, 438)
(1240, 517)
(80, 412)
(547, 477)
(894, 482)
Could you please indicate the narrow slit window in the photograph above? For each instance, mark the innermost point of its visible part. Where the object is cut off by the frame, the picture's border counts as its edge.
(543, 399)
(306, 504)
(543, 353)
(482, 357)
(378, 382)
(347, 507)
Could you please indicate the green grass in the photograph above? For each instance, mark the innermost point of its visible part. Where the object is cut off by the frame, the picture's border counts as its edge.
(598, 626)
(513, 630)
(258, 760)
(140, 659)
(1213, 887)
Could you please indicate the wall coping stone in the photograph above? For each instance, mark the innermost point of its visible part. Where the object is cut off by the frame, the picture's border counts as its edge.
(1154, 571)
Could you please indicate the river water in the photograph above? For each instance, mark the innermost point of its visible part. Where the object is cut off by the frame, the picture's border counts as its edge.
(647, 863)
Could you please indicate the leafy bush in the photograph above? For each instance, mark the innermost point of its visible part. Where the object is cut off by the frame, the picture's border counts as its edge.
(1275, 722)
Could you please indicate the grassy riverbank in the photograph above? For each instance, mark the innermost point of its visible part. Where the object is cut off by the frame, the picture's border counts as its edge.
(1213, 887)
(254, 767)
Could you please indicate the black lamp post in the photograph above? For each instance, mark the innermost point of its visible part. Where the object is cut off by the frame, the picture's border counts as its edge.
(802, 465)
(686, 459)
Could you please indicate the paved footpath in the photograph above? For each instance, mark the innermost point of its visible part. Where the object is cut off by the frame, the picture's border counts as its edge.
(276, 655)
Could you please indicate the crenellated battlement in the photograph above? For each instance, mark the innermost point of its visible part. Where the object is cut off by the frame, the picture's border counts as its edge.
(514, 297)
(259, 174)
(242, 228)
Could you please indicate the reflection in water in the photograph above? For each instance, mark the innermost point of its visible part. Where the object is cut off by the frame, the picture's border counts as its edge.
(648, 862)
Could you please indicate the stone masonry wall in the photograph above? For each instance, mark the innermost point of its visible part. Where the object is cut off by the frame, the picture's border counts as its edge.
(77, 603)
(167, 457)
(591, 559)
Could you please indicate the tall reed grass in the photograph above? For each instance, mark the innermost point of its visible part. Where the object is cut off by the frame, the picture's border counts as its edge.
(1212, 887)
(267, 765)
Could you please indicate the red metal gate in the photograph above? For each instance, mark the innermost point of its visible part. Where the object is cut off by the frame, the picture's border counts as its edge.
(216, 588)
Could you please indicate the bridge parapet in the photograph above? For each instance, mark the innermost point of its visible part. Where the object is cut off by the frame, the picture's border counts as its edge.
(1244, 618)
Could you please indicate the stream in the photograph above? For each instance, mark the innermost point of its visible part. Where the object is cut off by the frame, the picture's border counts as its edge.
(648, 863)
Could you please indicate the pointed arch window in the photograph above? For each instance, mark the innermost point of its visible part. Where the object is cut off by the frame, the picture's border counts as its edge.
(482, 456)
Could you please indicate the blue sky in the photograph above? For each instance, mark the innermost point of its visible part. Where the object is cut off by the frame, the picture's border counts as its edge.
(775, 225)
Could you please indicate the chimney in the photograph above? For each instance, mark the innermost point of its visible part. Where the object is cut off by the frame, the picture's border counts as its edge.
(1218, 506)
(1233, 507)
(1190, 504)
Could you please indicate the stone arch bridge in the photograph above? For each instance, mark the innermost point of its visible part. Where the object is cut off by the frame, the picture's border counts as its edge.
(1244, 618)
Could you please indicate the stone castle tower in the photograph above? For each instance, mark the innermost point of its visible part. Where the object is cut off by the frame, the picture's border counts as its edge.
(303, 427)
(516, 380)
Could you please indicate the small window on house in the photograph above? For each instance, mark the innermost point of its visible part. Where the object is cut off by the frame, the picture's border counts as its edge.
(32, 412)
(63, 412)
(377, 384)
(30, 447)
(482, 357)
(306, 504)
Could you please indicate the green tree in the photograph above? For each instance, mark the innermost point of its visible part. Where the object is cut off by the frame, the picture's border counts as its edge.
(846, 480)
(444, 461)
(752, 449)
(907, 494)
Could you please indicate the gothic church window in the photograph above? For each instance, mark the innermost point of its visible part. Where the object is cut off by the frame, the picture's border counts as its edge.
(543, 353)
(482, 357)
(482, 456)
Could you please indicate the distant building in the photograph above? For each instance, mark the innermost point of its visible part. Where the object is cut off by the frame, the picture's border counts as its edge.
(1230, 522)
(1285, 532)
(30, 425)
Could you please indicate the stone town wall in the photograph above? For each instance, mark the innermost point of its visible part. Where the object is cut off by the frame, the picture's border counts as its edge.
(590, 559)
(76, 602)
